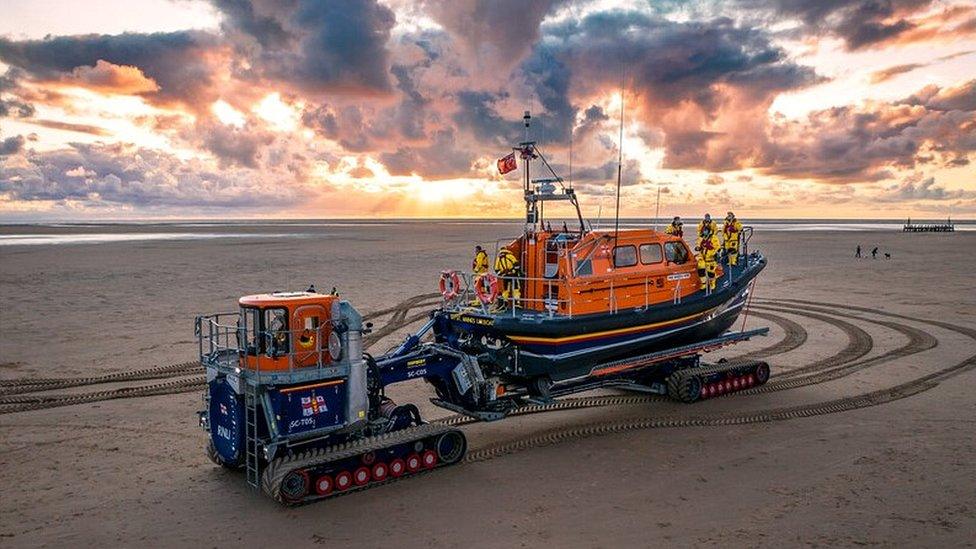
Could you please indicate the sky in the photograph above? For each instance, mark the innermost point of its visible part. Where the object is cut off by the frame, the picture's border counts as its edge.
(159, 109)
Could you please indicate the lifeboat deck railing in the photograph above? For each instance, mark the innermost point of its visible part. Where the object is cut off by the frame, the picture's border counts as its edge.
(548, 304)
(223, 343)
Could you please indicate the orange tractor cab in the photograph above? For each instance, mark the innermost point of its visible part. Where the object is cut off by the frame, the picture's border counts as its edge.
(283, 331)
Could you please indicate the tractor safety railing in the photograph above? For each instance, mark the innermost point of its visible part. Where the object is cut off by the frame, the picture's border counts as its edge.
(226, 341)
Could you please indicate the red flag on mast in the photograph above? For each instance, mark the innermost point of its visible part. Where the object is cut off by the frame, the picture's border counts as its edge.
(507, 164)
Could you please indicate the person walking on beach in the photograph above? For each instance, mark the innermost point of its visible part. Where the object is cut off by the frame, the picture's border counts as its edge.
(874, 253)
(857, 252)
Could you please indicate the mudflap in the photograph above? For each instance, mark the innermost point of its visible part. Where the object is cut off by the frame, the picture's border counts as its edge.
(226, 423)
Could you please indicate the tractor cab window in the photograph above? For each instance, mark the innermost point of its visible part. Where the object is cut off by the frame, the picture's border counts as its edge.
(264, 331)
(675, 252)
(276, 332)
(249, 330)
(310, 330)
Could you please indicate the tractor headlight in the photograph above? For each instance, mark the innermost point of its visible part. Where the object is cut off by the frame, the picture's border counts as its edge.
(335, 347)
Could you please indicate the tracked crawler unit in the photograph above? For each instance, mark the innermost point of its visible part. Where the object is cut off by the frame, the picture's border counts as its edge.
(293, 400)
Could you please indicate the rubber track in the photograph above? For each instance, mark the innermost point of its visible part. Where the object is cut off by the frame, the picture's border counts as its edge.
(563, 404)
(280, 467)
(604, 428)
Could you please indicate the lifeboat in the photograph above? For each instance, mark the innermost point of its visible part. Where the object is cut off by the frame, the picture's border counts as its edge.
(582, 298)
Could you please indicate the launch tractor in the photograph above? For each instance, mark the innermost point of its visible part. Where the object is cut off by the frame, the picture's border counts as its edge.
(294, 401)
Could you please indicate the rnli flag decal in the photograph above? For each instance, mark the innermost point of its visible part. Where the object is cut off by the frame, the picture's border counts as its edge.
(313, 405)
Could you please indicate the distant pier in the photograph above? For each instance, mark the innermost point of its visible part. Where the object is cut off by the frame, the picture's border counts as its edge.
(946, 227)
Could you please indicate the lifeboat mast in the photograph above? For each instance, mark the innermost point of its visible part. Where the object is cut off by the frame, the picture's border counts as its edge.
(541, 190)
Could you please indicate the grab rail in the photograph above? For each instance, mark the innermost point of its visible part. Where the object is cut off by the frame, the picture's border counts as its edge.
(224, 341)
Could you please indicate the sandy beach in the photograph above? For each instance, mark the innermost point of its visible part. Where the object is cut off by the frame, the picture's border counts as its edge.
(869, 442)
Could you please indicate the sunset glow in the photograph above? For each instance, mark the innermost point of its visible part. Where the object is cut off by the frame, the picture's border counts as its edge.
(395, 109)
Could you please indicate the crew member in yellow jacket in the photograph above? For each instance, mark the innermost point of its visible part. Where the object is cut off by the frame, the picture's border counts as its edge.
(707, 248)
(731, 230)
(480, 263)
(675, 228)
(705, 225)
(508, 268)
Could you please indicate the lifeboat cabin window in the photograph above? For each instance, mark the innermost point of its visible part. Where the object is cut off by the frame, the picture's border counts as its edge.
(624, 256)
(650, 253)
(584, 267)
(675, 252)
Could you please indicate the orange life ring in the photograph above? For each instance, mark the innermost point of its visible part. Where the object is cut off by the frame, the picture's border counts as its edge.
(486, 288)
(450, 284)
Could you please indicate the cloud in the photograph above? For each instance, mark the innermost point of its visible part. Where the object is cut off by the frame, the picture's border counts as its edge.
(110, 78)
(856, 144)
(11, 145)
(13, 106)
(70, 127)
(859, 23)
(917, 187)
(131, 176)
(701, 82)
(494, 34)
(954, 98)
(232, 145)
(180, 63)
(886, 74)
(314, 46)
(442, 159)
(440, 94)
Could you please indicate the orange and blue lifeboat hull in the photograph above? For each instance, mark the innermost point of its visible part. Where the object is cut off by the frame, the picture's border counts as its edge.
(563, 347)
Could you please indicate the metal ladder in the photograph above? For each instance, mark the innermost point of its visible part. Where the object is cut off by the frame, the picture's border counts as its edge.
(251, 434)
